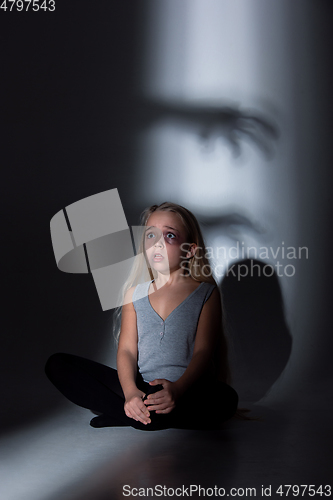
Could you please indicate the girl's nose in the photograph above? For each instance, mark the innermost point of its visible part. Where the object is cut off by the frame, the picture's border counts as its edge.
(159, 243)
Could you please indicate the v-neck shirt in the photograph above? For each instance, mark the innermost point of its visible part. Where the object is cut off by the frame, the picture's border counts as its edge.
(165, 347)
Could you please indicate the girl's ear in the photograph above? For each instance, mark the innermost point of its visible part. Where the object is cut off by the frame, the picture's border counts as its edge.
(191, 251)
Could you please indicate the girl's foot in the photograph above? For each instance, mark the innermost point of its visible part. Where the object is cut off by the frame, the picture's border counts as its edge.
(103, 421)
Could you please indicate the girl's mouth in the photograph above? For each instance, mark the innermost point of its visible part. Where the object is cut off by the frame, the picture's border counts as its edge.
(157, 257)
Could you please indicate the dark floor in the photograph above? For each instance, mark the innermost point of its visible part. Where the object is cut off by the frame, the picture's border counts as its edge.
(66, 459)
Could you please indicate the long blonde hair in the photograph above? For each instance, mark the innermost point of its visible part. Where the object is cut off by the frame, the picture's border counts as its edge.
(198, 267)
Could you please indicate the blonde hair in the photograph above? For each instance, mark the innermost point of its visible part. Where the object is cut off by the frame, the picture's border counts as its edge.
(198, 267)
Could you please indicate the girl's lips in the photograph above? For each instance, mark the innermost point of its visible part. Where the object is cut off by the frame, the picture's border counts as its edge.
(158, 258)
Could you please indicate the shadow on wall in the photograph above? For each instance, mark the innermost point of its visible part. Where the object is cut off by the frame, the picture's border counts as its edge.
(260, 342)
(209, 122)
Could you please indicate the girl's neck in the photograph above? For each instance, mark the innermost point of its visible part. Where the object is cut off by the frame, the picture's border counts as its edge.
(173, 279)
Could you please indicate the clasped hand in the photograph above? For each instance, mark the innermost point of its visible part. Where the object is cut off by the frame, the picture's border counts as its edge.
(163, 401)
(135, 408)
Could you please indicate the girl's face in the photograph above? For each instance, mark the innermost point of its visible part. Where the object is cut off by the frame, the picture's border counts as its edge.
(164, 235)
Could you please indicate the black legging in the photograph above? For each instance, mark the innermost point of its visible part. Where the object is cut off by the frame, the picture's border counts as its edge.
(96, 387)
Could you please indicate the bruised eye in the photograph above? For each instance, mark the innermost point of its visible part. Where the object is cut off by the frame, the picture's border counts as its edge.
(170, 236)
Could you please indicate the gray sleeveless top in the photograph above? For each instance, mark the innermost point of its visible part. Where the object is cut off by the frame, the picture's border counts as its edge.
(165, 347)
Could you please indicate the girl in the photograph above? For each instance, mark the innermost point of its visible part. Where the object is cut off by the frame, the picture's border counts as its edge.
(172, 366)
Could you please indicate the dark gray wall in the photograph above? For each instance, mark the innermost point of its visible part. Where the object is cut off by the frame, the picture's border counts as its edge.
(66, 79)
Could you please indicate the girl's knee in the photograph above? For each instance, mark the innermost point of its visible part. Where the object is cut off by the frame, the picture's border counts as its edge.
(53, 364)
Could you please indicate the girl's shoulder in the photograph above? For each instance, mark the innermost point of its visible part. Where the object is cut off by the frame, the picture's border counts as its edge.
(208, 289)
(208, 285)
(139, 291)
(128, 297)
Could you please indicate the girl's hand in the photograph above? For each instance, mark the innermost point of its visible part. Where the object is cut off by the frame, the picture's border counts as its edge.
(163, 401)
(135, 408)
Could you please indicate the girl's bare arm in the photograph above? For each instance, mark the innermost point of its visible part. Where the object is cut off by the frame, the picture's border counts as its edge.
(127, 356)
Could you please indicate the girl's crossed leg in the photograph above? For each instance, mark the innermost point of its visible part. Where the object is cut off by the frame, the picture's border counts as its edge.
(96, 387)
